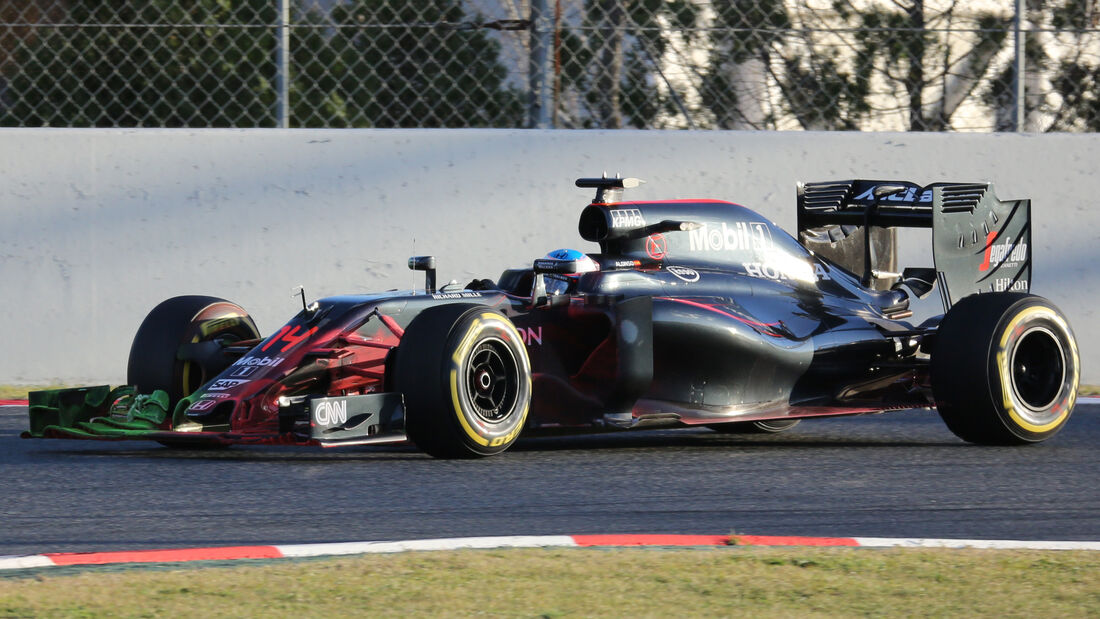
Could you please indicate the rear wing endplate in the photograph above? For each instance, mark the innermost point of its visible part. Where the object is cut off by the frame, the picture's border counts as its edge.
(979, 243)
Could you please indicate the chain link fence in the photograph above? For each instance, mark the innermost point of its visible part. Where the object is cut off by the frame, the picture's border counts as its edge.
(920, 65)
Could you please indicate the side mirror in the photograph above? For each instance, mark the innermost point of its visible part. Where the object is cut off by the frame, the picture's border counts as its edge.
(552, 266)
(426, 264)
(538, 290)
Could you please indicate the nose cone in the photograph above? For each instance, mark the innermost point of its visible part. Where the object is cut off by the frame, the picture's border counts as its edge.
(214, 415)
(235, 400)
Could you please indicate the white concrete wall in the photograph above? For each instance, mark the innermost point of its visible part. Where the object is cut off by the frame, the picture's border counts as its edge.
(98, 226)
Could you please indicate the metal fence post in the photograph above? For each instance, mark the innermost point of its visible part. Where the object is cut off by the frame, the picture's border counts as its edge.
(282, 66)
(541, 71)
(1018, 79)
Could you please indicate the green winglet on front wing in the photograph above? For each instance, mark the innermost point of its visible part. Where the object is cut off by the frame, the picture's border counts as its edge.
(120, 413)
(98, 412)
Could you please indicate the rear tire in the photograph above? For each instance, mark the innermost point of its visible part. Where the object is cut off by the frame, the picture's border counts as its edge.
(177, 321)
(466, 379)
(1005, 369)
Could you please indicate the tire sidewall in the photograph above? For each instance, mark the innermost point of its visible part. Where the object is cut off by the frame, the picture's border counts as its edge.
(474, 328)
(1027, 422)
(153, 362)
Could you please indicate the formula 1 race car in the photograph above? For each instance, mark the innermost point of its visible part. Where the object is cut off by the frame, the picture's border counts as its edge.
(693, 312)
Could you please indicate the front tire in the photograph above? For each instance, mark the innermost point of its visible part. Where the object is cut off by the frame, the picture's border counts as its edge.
(191, 319)
(466, 379)
(1005, 369)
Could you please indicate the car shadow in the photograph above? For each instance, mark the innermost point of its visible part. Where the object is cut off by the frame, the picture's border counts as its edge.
(692, 439)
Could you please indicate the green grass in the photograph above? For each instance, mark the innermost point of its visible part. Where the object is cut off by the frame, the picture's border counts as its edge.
(730, 581)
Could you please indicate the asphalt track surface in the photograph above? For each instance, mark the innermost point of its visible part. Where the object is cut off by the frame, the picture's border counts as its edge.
(894, 475)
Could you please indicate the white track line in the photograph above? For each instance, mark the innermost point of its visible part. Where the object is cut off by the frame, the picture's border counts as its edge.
(456, 543)
(996, 544)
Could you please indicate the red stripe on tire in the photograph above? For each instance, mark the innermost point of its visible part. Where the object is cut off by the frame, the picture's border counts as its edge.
(166, 556)
(651, 540)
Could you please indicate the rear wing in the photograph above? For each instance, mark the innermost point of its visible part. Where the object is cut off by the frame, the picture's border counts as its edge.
(979, 243)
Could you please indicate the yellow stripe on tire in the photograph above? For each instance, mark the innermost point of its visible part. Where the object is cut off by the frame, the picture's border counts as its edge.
(1005, 372)
(459, 357)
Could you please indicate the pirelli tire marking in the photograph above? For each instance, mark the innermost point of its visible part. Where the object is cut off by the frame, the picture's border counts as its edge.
(1044, 417)
(492, 433)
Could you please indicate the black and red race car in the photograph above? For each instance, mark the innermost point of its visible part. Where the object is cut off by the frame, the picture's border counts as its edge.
(692, 312)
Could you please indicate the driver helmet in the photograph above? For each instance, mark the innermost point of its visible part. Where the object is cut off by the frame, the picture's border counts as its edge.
(562, 284)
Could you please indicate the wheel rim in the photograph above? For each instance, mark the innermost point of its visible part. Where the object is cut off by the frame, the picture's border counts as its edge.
(492, 380)
(1038, 368)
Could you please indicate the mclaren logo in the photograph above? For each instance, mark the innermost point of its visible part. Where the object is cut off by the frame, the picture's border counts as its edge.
(905, 196)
